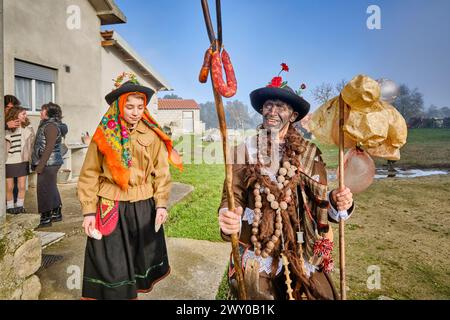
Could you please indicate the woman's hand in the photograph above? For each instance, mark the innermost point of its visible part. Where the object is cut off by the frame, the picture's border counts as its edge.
(161, 216)
(229, 221)
(89, 225)
(343, 199)
(13, 124)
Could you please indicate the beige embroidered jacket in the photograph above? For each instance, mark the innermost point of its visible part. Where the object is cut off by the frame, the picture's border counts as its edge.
(149, 173)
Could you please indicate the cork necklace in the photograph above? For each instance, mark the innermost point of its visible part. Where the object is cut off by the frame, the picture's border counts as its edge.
(285, 174)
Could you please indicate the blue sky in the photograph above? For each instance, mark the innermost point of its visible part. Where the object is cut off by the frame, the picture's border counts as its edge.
(320, 40)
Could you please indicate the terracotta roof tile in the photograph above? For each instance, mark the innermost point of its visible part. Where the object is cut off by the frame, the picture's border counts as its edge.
(177, 104)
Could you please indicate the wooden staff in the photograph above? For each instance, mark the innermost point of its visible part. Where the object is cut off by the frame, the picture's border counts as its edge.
(208, 22)
(216, 45)
(341, 187)
(242, 293)
(219, 23)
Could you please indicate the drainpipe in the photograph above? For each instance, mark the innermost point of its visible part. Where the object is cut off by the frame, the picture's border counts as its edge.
(2, 123)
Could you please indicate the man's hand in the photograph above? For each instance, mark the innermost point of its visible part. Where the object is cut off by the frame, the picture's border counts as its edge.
(13, 124)
(343, 199)
(161, 216)
(89, 225)
(229, 221)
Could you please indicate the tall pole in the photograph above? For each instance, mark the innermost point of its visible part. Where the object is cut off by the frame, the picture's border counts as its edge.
(242, 293)
(341, 187)
(216, 45)
(2, 121)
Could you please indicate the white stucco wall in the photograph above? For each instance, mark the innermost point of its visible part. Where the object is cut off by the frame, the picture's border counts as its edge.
(36, 32)
(112, 66)
(165, 117)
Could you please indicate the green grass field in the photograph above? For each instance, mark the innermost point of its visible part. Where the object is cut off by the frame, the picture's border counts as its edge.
(196, 216)
(425, 148)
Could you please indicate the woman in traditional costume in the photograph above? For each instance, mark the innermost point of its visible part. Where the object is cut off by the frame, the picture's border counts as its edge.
(124, 192)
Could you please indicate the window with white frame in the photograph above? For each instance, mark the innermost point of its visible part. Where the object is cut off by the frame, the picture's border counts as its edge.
(34, 85)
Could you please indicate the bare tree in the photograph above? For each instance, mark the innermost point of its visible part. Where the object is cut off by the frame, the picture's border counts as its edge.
(238, 115)
(235, 117)
(340, 86)
(436, 112)
(208, 114)
(409, 103)
(433, 112)
(445, 112)
(323, 93)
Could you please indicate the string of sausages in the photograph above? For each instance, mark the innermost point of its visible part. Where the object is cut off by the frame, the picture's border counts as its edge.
(214, 62)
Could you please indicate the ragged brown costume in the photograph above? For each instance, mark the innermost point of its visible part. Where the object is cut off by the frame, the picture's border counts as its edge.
(313, 221)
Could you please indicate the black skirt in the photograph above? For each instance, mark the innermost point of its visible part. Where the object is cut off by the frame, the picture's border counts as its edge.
(128, 261)
(48, 197)
(17, 170)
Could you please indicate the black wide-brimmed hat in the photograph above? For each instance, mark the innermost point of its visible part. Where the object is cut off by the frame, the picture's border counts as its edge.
(129, 86)
(278, 89)
(285, 94)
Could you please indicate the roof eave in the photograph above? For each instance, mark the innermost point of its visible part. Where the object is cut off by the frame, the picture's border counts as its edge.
(114, 39)
(108, 12)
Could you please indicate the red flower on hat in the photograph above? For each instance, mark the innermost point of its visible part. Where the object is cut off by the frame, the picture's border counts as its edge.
(276, 82)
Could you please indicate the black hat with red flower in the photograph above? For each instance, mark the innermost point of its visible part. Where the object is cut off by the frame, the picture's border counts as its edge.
(278, 89)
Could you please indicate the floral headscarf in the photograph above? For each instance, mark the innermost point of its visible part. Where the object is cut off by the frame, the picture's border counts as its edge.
(113, 140)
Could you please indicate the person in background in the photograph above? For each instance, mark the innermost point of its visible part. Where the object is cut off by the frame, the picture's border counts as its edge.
(11, 101)
(46, 161)
(19, 142)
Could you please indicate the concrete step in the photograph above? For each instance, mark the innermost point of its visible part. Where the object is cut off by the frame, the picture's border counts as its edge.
(49, 238)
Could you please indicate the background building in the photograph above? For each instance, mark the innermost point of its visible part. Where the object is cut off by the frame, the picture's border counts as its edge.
(55, 51)
(181, 116)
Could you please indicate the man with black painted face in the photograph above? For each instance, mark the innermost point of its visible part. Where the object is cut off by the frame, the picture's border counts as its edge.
(283, 207)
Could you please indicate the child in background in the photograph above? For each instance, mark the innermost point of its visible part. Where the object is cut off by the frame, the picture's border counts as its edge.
(19, 142)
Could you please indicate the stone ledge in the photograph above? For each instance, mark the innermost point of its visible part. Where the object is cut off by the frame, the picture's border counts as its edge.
(20, 257)
(31, 288)
(27, 258)
(24, 220)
